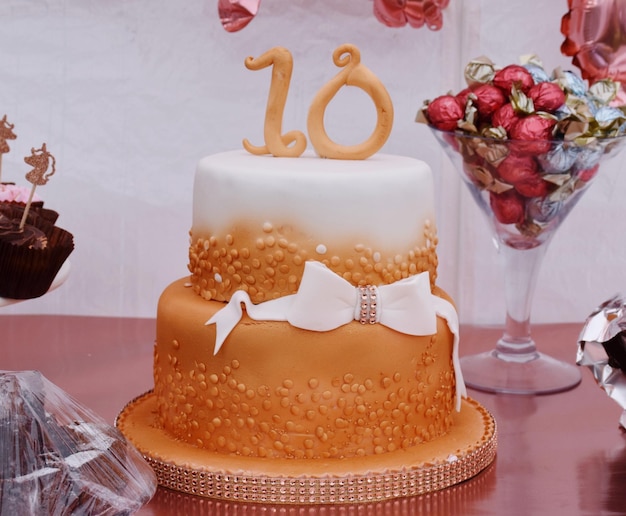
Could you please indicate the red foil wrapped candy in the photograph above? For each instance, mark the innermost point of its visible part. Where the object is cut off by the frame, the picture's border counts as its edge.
(444, 112)
(535, 131)
(534, 186)
(547, 96)
(508, 207)
(505, 116)
(513, 75)
(516, 168)
(489, 99)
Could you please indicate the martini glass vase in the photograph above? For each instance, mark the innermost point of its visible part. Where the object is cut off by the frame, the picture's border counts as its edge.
(525, 189)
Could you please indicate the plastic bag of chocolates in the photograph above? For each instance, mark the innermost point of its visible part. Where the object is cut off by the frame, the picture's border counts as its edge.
(58, 457)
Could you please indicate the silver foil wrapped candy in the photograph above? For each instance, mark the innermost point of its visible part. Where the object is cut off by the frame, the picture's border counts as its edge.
(602, 348)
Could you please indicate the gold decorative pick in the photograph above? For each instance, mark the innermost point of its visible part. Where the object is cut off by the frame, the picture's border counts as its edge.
(6, 133)
(40, 160)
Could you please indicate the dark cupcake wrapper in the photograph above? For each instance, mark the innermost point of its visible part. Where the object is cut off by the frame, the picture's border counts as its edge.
(37, 208)
(28, 273)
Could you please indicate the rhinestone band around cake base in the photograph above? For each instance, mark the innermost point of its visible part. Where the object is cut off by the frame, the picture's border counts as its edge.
(401, 480)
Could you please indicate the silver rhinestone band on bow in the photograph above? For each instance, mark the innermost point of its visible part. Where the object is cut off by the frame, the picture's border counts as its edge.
(368, 304)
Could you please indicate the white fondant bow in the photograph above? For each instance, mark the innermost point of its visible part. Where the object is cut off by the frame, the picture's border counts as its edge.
(326, 301)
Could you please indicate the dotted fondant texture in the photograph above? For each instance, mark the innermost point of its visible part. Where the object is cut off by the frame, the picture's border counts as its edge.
(267, 262)
(278, 391)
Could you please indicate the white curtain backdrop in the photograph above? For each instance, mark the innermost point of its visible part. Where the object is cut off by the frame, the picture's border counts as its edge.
(129, 94)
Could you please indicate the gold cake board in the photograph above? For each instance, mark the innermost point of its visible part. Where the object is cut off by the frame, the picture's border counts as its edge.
(467, 449)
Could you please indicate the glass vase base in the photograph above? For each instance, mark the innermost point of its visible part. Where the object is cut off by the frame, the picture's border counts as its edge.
(540, 374)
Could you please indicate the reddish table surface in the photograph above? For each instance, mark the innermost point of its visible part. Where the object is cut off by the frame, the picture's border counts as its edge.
(557, 454)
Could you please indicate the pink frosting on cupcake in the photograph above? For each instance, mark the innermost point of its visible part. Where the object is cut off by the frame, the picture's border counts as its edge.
(14, 193)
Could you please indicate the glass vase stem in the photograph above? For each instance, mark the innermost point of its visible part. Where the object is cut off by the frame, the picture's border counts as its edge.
(515, 366)
(521, 270)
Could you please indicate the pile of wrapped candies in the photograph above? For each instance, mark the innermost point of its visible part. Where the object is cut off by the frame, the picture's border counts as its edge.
(529, 142)
(523, 102)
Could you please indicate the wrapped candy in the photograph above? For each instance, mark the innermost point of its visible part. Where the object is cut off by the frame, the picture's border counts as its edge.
(602, 348)
(579, 111)
(535, 129)
(546, 96)
(444, 112)
(508, 207)
(513, 76)
(505, 116)
(530, 141)
(59, 458)
(488, 100)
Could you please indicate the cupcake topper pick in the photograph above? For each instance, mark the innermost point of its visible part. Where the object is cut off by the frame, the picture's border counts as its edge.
(6, 133)
(40, 160)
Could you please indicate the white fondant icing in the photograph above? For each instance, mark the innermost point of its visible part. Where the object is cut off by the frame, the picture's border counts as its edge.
(392, 196)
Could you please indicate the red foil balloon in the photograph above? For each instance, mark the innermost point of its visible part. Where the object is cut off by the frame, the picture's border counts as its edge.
(236, 14)
(417, 13)
(595, 36)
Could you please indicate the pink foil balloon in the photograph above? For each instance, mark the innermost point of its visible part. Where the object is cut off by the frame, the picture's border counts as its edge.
(236, 14)
(595, 36)
(397, 13)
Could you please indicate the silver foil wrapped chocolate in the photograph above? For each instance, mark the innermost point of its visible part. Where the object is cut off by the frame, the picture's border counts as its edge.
(57, 457)
(602, 348)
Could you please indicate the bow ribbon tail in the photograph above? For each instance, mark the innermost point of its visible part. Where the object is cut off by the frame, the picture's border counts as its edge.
(227, 318)
(446, 310)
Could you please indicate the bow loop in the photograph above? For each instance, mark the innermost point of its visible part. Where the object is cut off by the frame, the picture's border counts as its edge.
(324, 300)
(406, 306)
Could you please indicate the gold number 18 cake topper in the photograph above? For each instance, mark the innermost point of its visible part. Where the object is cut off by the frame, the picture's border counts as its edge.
(354, 73)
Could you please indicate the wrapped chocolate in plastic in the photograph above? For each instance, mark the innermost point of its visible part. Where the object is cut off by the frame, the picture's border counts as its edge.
(602, 348)
(57, 457)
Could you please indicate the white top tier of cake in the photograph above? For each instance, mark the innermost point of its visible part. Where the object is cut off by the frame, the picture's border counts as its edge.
(383, 201)
(258, 219)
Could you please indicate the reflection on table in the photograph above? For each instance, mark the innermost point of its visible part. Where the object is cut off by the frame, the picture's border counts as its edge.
(557, 454)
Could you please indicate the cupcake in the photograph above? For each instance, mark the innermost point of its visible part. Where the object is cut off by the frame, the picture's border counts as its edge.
(14, 195)
(31, 255)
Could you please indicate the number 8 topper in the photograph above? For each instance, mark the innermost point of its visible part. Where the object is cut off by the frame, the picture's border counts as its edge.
(353, 74)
